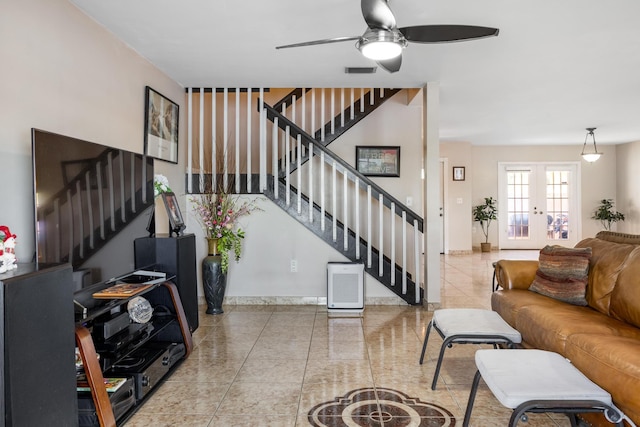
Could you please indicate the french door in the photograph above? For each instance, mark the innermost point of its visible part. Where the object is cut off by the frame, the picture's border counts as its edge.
(538, 205)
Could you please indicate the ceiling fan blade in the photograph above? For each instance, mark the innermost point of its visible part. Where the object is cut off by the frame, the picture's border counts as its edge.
(315, 42)
(446, 33)
(391, 65)
(377, 14)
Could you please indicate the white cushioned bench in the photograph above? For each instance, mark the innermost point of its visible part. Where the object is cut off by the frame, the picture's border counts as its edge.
(538, 381)
(468, 326)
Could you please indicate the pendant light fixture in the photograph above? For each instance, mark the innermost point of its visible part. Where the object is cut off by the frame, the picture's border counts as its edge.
(587, 155)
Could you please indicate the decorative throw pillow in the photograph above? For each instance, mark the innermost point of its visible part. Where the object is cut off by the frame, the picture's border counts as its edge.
(563, 274)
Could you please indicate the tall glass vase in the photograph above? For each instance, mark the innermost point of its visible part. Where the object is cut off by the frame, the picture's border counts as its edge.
(214, 280)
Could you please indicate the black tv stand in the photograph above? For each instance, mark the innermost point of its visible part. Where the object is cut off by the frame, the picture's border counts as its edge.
(167, 330)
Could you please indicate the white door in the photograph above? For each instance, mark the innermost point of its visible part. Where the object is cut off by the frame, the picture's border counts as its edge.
(538, 205)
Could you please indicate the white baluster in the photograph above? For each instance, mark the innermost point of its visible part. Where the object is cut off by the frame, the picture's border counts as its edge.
(312, 132)
(299, 172)
(393, 243)
(334, 207)
(404, 252)
(225, 138)
(380, 235)
(274, 156)
(311, 183)
(333, 111)
(345, 208)
(287, 164)
(369, 235)
(201, 143)
(342, 107)
(356, 197)
(249, 142)
(322, 191)
(322, 119)
(295, 154)
(237, 145)
(416, 249)
(189, 141)
(214, 141)
(304, 110)
(263, 143)
(353, 101)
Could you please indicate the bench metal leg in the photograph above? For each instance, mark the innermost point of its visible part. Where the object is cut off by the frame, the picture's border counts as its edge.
(426, 339)
(446, 343)
(472, 398)
(567, 407)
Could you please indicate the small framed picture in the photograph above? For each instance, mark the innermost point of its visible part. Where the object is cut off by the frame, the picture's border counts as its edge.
(458, 173)
(378, 160)
(161, 127)
(176, 222)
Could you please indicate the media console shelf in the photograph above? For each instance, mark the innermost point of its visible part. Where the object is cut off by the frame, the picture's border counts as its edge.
(166, 334)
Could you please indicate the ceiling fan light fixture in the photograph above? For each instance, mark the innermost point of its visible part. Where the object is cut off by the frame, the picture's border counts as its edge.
(380, 45)
(590, 157)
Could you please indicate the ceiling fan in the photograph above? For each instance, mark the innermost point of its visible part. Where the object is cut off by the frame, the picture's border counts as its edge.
(383, 41)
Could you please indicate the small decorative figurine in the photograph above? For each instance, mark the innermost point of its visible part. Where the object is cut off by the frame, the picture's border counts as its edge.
(8, 250)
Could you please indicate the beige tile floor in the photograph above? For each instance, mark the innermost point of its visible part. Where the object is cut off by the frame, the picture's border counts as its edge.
(270, 365)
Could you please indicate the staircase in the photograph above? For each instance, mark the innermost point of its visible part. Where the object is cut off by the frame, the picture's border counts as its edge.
(347, 241)
(344, 120)
(299, 173)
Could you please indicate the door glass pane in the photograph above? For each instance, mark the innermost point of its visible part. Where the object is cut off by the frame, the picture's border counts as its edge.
(558, 218)
(518, 205)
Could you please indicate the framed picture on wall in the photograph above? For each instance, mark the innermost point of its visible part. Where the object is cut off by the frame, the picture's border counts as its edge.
(161, 127)
(458, 173)
(375, 160)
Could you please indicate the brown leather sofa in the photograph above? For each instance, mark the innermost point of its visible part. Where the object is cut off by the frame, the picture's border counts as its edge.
(602, 339)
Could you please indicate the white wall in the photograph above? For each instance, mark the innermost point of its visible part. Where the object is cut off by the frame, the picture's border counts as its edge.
(64, 73)
(396, 122)
(628, 184)
(272, 240)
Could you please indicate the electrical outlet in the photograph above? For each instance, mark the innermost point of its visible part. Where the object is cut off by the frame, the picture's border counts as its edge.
(294, 266)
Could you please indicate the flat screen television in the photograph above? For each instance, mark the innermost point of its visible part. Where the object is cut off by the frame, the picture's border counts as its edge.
(91, 202)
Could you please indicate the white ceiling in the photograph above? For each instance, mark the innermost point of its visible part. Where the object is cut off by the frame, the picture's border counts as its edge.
(556, 68)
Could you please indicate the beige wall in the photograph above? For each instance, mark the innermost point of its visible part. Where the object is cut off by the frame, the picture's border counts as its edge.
(459, 196)
(598, 181)
(64, 73)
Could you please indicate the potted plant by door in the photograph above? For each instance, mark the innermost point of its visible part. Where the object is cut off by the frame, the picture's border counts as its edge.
(606, 215)
(484, 214)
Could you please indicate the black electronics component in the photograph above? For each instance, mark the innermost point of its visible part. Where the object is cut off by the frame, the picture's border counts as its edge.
(108, 328)
(147, 365)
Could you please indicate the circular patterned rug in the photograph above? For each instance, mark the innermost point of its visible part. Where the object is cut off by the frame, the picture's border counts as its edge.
(379, 407)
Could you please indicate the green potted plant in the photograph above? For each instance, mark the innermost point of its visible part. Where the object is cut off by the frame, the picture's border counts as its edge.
(484, 214)
(606, 215)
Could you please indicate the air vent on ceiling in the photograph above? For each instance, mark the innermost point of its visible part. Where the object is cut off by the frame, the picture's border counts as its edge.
(360, 70)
